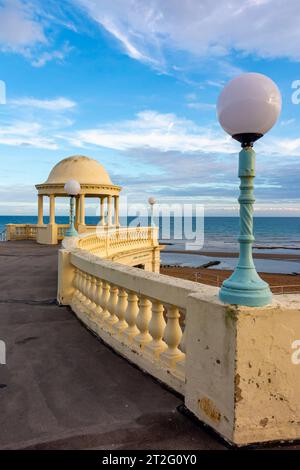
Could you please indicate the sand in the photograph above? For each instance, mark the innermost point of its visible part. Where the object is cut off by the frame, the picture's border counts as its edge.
(280, 283)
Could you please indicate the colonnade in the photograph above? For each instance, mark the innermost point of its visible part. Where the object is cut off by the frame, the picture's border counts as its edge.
(110, 202)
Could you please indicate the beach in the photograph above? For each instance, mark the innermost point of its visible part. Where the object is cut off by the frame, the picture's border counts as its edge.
(279, 282)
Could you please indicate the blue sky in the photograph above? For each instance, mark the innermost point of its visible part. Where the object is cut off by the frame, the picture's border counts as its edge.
(134, 83)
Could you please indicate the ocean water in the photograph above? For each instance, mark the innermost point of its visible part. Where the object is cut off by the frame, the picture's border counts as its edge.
(218, 233)
(281, 234)
(272, 235)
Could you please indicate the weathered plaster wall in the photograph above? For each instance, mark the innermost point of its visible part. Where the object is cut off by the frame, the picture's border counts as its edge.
(240, 378)
(210, 362)
(267, 381)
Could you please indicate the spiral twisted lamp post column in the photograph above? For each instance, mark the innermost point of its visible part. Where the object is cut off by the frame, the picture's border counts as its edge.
(72, 188)
(248, 107)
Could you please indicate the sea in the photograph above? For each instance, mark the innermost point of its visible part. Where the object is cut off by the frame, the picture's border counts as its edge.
(212, 234)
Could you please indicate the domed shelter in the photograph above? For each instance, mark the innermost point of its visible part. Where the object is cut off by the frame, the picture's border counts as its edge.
(94, 181)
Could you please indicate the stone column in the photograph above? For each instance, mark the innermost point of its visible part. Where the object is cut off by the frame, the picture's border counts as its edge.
(116, 200)
(52, 210)
(102, 216)
(82, 210)
(40, 209)
(109, 208)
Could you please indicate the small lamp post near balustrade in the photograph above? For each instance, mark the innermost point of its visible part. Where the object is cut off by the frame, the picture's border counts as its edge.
(152, 201)
(72, 188)
(248, 107)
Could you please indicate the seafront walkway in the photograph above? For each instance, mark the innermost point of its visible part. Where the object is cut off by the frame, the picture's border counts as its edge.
(61, 387)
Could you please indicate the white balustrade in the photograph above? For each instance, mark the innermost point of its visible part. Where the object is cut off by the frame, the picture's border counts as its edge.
(93, 292)
(111, 307)
(140, 314)
(130, 317)
(156, 329)
(104, 301)
(172, 337)
(121, 307)
(98, 295)
(142, 322)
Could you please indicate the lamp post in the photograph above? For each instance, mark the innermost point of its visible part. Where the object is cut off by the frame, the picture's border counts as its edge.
(248, 107)
(151, 201)
(72, 188)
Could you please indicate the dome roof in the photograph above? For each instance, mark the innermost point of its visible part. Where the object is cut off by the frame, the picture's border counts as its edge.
(83, 169)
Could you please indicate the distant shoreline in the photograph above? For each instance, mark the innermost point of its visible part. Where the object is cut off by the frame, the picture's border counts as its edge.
(226, 254)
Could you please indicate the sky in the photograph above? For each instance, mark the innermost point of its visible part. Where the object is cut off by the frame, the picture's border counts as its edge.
(134, 84)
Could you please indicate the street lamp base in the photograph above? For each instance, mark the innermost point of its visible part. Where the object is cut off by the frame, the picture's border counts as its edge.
(71, 232)
(245, 287)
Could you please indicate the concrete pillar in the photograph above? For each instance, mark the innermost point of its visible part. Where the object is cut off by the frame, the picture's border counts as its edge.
(102, 216)
(82, 210)
(52, 210)
(40, 209)
(116, 199)
(109, 208)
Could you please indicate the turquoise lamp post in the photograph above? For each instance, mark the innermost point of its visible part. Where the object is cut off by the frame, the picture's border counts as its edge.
(151, 201)
(72, 188)
(248, 107)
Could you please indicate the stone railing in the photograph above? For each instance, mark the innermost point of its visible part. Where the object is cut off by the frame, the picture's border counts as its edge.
(235, 366)
(61, 230)
(46, 234)
(21, 232)
(109, 242)
(140, 314)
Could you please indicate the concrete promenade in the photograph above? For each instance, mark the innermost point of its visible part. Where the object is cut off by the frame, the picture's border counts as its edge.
(61, 387)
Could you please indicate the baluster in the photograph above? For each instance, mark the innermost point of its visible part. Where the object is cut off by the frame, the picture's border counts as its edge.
(113, 299)
(88, 301)
(156, 329)
(82, 286)
(76, 285)
(93, 289)
(104, 300)
(121, 307)
(142, 322)
(98, 294)
(172, 337)
(130, 317)
(180, 365)
(85, 288)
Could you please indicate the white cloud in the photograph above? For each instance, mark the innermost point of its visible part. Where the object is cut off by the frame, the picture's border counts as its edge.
(287, 122)
(151, 129)
(47, 56)
(19, 29)
(149, 29)
(57, 104)
(26, 27)
(26, 134)
(203, 106)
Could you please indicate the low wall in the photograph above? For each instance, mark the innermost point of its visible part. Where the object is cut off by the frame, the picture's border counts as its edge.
(244, 382)
(21, 232)
(45, 234)
(237, 368)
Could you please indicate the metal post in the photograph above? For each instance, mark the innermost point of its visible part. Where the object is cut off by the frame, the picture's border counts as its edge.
(71, 232)
(245, 287)
(152, 224)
